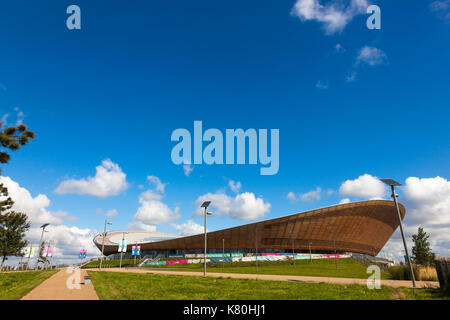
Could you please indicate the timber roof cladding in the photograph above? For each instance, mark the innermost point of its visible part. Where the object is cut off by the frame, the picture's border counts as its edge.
(362, 227)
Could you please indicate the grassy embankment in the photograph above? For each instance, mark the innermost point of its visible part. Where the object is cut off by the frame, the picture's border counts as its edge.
(346, 268)
(132, 286)
(15, 285)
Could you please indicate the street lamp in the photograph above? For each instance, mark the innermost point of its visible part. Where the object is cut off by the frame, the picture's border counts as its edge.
(40, 244)
(223, 252)
(103, 242)
(392, 184)
(123, 247)
(310, 255)
(205, 205)
(293, 255)
(335, 253)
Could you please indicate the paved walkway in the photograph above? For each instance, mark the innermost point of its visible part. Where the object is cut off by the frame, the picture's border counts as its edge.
(56, 288)
(390, 283)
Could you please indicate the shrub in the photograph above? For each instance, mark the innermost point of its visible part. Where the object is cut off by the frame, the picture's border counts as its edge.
(402, 272)
(428, 274)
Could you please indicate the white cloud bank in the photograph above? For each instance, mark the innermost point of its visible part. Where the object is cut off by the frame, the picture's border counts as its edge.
(109, 180)
(67, 240)
(188, 228)
(427, 203)
(365, 186)
(243, 206)
(333, 15)
(152, 210)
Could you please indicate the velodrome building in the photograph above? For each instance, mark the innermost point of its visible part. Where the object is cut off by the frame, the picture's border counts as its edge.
(358, 227)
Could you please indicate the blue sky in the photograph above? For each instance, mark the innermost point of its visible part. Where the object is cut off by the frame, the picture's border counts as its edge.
(136, 71)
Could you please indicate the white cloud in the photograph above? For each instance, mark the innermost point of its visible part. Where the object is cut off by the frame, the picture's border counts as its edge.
(344, 201)
(234, 186)
(351, 77)
(334, 15)
(365, 186)
(244, 206)
(157, 182)
(138, 225)
(366, 55)
(152, 210)
(371, 55)
(19, 115)
(187, 169)
(442, 9)
(427, 203)
(109, 213)
(427, 200)
(305, 197)
(291, 196)
(339, 48)
(189, 228)
(67, 240)
(311, 195)
(322, 85)
(34, 207)
(109, 180)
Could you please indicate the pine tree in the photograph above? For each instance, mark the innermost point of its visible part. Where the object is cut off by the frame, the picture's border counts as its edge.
(13, 225)
(13, 138)
(421, 251)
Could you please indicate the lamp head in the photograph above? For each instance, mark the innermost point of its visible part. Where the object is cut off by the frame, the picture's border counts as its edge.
(205, 204)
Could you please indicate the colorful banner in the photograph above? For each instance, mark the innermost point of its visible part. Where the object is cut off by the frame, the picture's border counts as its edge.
(170, 262)
(138, 250)
(82, 254)
(133, 250)
(50, 251)
(44, 252)
(120, 246)
(32, 253)
(124, 247)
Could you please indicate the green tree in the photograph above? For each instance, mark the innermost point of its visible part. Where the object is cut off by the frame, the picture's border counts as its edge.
(421, 251)
(13, 138)
(13, 226)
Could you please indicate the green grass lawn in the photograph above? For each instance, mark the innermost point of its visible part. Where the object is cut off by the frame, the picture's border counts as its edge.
(347, 268)
(110, 263)
(132, 286)
(15, 285)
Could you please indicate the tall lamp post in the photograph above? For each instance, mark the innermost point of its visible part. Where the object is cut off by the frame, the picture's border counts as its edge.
(40, 244)
(392, 184)
(205, 205)
(310, 255)
(124, 247)
(103, 243)
(293, 241)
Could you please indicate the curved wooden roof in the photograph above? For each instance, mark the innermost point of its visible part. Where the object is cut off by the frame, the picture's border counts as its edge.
(362, 227)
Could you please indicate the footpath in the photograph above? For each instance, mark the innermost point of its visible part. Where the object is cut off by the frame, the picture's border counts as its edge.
(63, 286)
